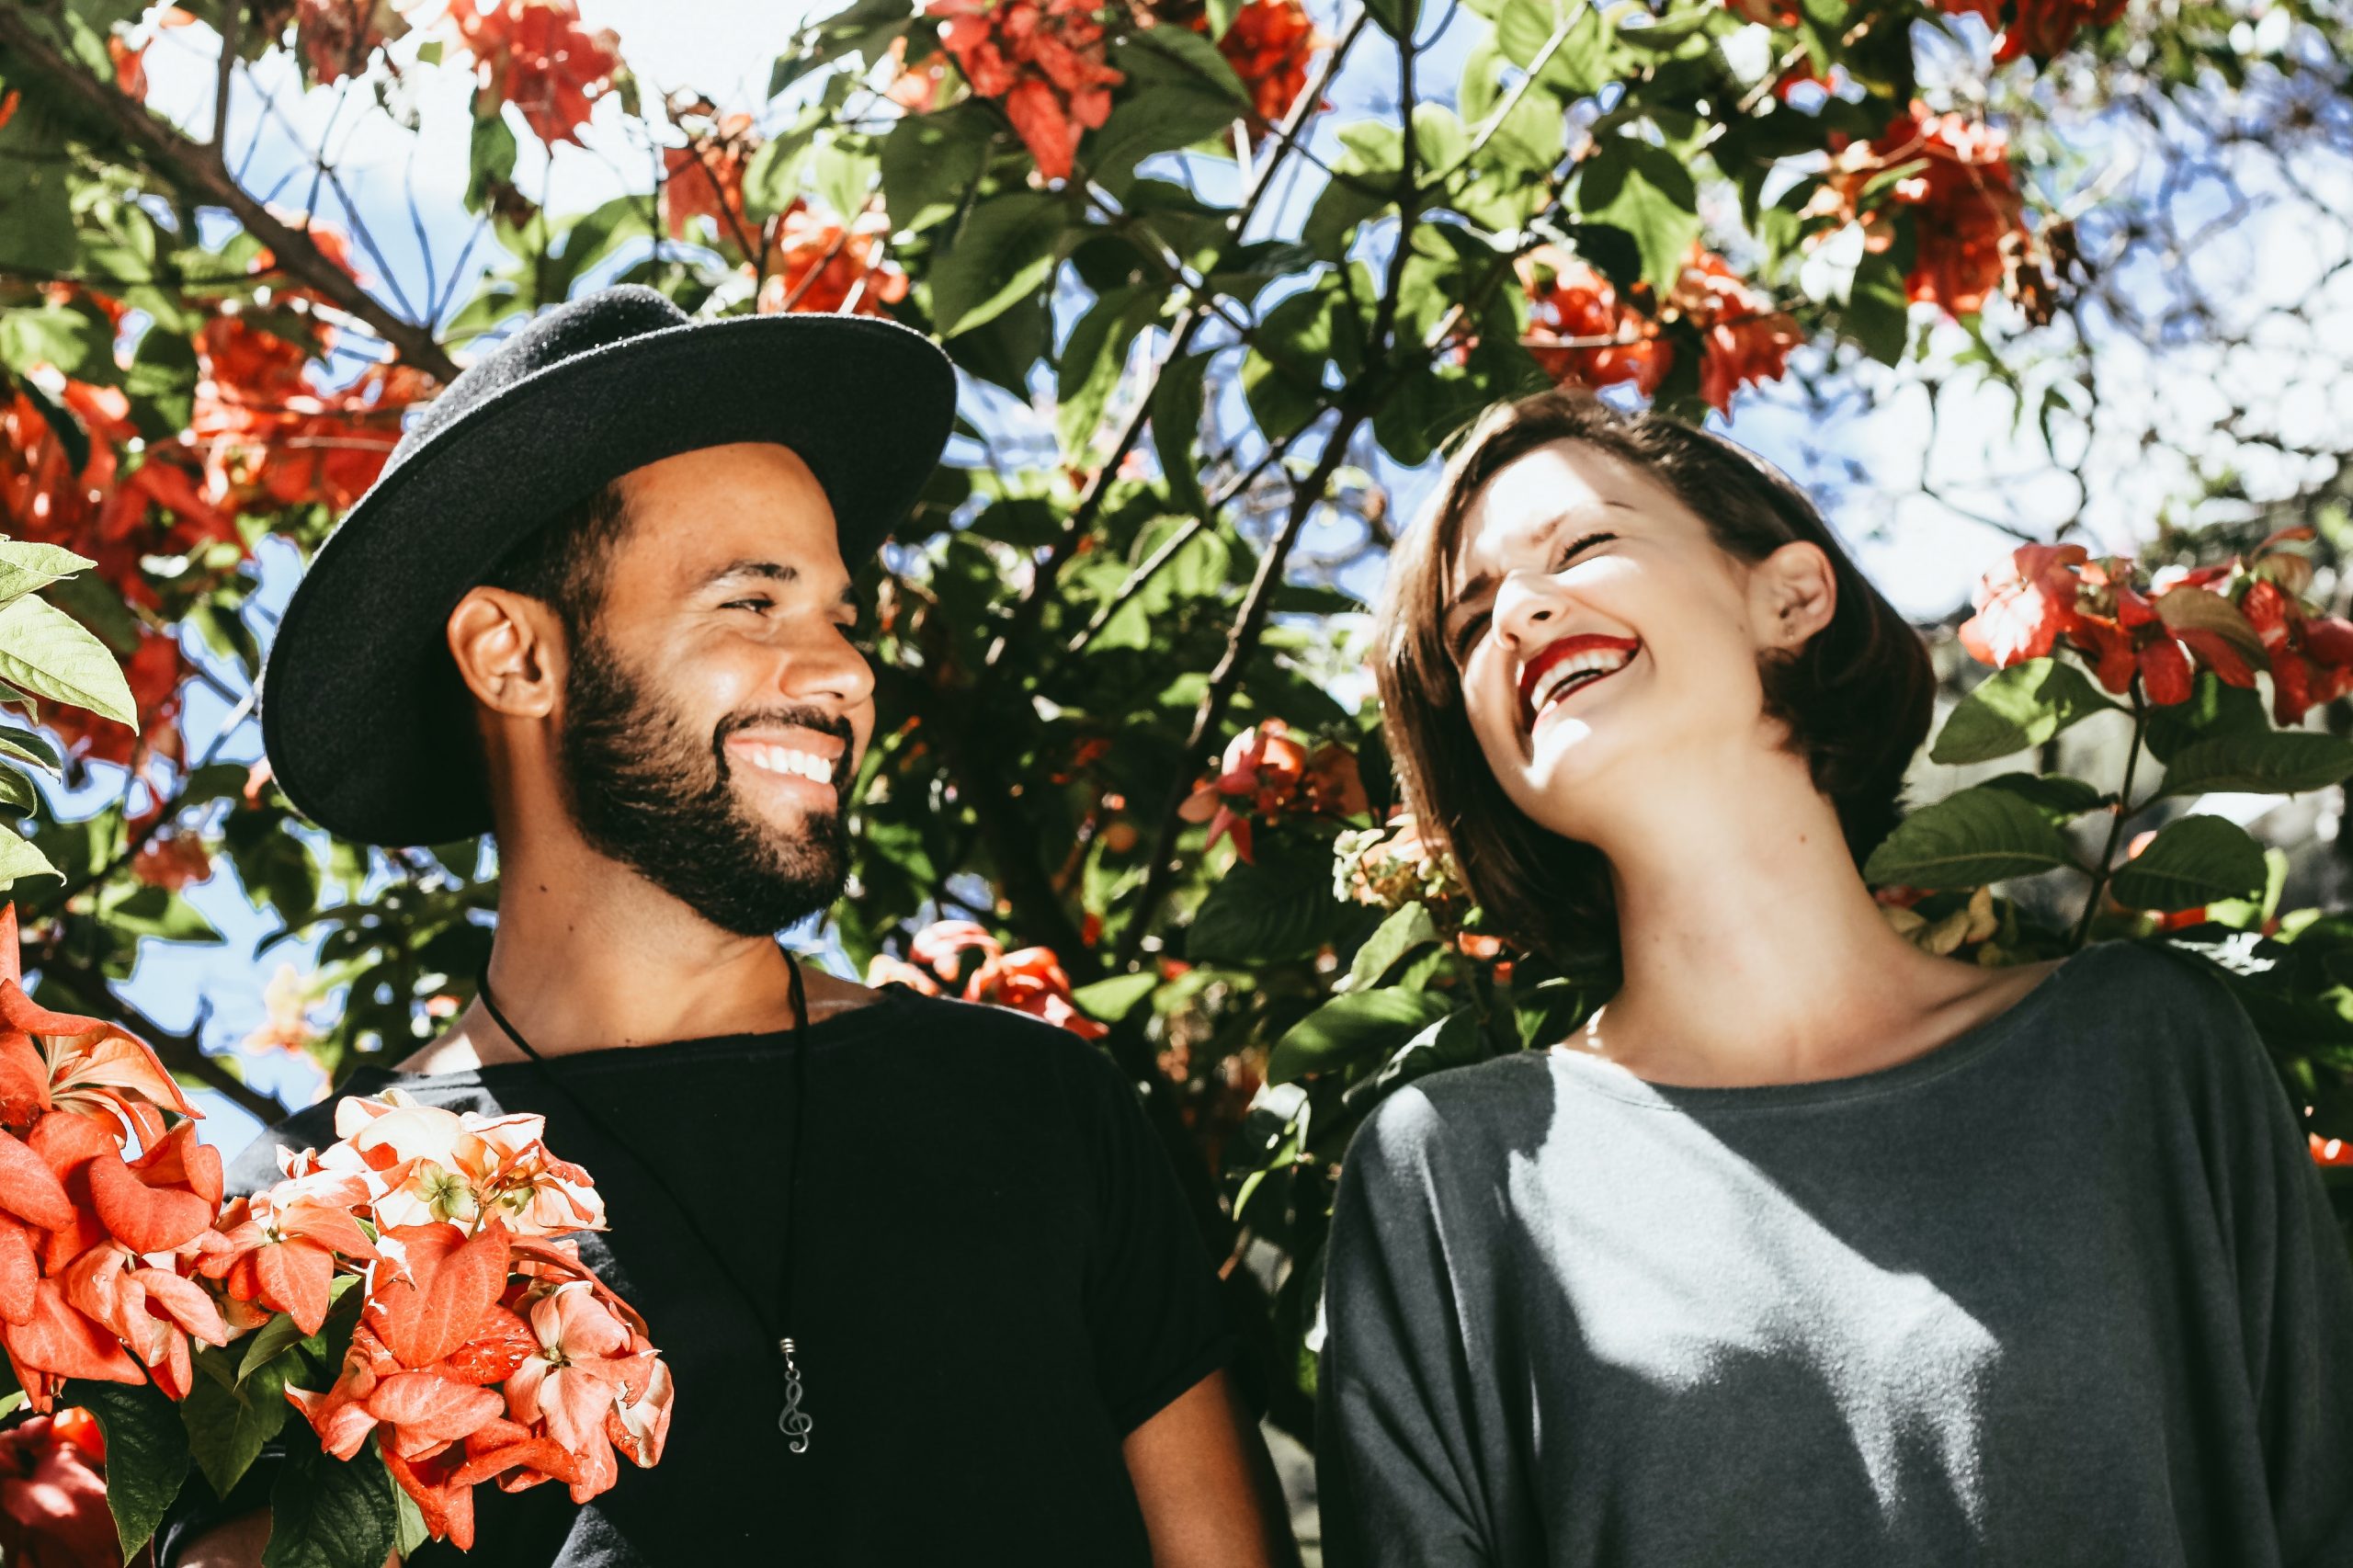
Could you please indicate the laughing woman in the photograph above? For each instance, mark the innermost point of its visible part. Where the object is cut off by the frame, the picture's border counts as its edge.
(1808, 1247)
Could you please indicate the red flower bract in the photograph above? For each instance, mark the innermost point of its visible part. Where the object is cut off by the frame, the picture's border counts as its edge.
(1963, 199)
(1045, 59)
(537, 56)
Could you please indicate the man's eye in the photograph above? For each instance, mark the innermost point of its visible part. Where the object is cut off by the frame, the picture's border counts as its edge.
(759, 605)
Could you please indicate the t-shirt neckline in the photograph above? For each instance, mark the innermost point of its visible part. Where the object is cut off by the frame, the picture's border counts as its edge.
(826, 1031)
(1607, 1078)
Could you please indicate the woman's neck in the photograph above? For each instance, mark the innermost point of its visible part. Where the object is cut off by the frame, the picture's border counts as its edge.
(1753, 952)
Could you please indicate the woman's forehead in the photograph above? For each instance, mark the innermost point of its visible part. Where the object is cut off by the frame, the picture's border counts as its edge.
(1562, 479)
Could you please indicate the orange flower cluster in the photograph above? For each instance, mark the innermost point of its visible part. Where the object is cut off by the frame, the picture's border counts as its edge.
(1580, 329)
(816, 264)
(338, 36)
(1266, 772)
(2035, 29)
(1028, 979)
(2049, 594)
(705, 178)
(536, 55)
(1967, 214)
(53, 1509)
(1043, 59)
(274, 436)
(82, 1291)
(485, 1350)
(1269, 43)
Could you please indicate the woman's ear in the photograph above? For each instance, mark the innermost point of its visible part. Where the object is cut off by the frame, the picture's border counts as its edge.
(1792, 595)
(509, 652)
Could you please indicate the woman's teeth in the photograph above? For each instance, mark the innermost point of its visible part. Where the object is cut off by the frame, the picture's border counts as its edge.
(784, 759)
(1577, 671)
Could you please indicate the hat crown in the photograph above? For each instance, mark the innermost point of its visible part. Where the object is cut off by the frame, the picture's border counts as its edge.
(574, 328)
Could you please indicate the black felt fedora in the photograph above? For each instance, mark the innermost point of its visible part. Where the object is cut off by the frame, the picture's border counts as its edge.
(361, 710)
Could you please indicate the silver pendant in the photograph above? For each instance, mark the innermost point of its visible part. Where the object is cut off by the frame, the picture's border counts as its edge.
(792, 1421)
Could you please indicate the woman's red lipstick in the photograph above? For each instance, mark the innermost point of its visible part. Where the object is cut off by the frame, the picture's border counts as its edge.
(1533, 673)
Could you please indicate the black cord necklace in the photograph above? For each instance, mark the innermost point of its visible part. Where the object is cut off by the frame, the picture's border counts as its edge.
(791, 1420)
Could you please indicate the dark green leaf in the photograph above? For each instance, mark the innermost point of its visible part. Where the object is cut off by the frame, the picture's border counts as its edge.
(1176, 425)
(930, 163)
(27, 746)
(1352, 1031)
(1649, 193)
(19, 859)
(1967, 839)
(1094, 357)
(2055, 795)
(1401, 935)
(842, 175)
(2215, 709)
(228, 1425)
(2268, 762)
(1113, 999)
(490, 158)
(1003, 255)
(324, 1513)
(2191, 862)
(2013, 709)
(146, 1455)
(1256, 916)
(140, 910)
(1397, 18)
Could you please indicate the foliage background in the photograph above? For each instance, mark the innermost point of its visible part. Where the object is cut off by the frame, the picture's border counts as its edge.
(1213, 316)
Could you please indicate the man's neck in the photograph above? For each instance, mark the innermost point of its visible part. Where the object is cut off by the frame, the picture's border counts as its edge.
(588, 956)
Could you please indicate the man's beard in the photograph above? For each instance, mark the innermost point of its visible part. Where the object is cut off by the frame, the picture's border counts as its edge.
(644, 791)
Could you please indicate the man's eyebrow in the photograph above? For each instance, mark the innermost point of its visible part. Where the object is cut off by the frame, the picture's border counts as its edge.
(767, 570)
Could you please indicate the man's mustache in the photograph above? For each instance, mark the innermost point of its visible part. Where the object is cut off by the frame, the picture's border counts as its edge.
(815, 719)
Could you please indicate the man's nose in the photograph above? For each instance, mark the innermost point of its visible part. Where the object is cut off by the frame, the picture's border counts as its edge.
(827, 669)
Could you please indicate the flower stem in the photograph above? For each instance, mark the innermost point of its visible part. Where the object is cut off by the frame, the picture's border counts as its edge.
(2120, 810)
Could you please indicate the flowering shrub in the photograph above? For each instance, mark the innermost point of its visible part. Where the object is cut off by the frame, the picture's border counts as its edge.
(961, 956)
(1042, 60)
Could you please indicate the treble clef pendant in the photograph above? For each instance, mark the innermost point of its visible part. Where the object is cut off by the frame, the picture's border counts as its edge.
(792, 1421)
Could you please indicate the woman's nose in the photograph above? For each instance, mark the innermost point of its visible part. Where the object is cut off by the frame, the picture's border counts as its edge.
(1526, 612)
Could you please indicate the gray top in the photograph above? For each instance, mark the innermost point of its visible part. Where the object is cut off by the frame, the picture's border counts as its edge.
(2064, 1290)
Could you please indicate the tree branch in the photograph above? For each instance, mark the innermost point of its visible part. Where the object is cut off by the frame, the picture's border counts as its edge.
(172, 156)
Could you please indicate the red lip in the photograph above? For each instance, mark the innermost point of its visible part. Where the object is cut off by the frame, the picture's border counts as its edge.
(1533, 673)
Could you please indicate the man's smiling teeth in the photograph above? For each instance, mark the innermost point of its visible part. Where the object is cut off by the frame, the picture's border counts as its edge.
(784, 759)
(1578, 669)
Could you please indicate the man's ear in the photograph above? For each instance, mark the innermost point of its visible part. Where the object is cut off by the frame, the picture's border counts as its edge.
(509, 649)
(1792, 595)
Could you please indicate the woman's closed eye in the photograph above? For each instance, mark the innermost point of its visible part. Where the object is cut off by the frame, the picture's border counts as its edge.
(1577, 547)
(1476, 622)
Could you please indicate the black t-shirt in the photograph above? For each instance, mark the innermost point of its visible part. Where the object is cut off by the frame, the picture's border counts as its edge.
(995, 1281)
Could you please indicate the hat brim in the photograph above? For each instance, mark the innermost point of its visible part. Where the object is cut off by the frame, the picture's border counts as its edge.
(362, 713)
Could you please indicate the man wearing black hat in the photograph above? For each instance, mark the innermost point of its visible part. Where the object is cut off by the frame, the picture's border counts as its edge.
(922, 1276)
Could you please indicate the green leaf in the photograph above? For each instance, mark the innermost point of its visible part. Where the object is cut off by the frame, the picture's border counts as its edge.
(1094, 359)
(1113, 999)
(161, 382)
(227, 1425)
(410, 1533)
(2055, 795)
(1397, 18)
(1399, 937)
(1647, 192)
(1354, 1030)
(24, 568)
(843, 176)
(26, 746)
(773, 178)
(324, 1513)
(1283, 374)
(1180, 91)
(2215, 709)
(49, 653)
(18, 794)
(1256, 916)
(146, 1455)
(2267, 762)
(2192, 861)
(139, 910)
(2011, 709)
(76, 342)
(19, 859)
(1176, 425)
(490, 158)
(1003, 255)
(930, 163)
(1967, 839)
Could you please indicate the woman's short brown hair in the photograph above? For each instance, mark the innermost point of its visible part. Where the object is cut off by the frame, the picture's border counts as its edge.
(1856, 698)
